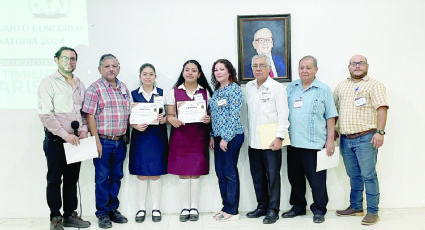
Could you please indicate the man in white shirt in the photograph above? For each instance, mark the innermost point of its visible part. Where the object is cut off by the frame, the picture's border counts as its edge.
(267, 104)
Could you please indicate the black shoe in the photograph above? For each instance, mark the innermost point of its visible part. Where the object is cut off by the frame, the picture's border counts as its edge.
(156, 218)
(75, 221)
(104, 222)
(271, 217)
(117, 217)
(291, 214)
(194, 217)
(317, 218)
(256, 213)
(140, 219)
(184, 218)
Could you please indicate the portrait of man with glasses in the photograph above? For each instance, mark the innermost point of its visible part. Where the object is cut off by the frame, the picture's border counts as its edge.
(267, 35)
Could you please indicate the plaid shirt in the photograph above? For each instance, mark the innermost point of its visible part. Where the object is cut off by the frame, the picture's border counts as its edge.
(110, 107)
(355, 119)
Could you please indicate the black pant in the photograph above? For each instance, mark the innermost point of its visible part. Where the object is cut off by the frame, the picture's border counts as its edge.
(56, 168)
(301, 164)
(265, 171)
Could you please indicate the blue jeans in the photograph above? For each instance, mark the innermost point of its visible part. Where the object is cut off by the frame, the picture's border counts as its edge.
(226, 168)
(360, 160)
(108, 175)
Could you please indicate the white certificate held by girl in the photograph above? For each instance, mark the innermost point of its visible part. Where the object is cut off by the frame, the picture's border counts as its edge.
(191, 111)
(144, 113)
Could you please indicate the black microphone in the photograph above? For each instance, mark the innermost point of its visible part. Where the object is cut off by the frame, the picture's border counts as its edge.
(75, 125)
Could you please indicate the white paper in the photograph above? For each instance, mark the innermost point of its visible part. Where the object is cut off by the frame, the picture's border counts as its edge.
(144, 113)
(191, 111)
(326, 162)
(84, 151)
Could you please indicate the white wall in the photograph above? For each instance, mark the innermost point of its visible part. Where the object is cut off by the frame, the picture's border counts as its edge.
(166, 33)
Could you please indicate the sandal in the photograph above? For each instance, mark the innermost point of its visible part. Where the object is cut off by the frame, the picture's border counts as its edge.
(184, 217)
(156, 218)
(140, 218)
(193, 217)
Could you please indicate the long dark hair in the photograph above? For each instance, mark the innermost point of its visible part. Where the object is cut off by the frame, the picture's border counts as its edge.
(202, 80)
(230, 69)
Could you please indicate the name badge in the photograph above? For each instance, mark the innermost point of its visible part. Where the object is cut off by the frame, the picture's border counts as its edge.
(158, 99)
(360, 101)
(198, 96)
(298, 103)
(222, 102)
(265, 95)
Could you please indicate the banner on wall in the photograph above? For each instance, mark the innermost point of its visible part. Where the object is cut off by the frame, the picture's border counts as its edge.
(31, 31)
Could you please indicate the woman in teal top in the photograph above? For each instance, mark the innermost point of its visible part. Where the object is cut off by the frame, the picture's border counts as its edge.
(227, 135)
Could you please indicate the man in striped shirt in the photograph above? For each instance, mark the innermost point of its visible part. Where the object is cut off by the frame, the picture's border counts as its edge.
(362, 106)
(107, 104)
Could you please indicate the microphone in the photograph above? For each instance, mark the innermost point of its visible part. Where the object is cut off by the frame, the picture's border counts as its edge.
(75, 125)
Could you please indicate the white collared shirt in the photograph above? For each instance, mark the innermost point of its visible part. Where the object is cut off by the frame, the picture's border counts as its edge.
(171, 100)
(266, 105)
(146, 95)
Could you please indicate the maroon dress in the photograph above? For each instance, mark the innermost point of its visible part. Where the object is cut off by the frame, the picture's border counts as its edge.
(188, 150)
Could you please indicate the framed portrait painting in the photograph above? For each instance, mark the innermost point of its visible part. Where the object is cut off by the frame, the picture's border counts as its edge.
(269, 35)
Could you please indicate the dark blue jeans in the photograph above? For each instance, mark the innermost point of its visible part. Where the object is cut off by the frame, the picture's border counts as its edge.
(265, 171)
(227, 172)
(108, 175)
(360, 161)
(56, 170)
(301, 164)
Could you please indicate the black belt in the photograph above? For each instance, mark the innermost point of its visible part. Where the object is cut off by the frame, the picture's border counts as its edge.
(114, 138)
(354, 135)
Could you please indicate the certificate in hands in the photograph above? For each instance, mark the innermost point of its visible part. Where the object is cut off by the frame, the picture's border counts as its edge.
(191, 111)
(144, 113)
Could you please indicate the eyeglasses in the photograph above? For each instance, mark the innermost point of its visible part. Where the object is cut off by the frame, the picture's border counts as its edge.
(148, 75)
(261, 66)
(264, 40)
(360, 63)
(65, 59)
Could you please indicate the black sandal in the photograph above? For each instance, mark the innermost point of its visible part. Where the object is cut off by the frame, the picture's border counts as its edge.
(140, 219)
(184, 218)
(156, 218)
(194, 217)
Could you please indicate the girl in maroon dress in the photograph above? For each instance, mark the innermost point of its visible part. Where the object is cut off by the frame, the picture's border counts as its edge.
(188, 150)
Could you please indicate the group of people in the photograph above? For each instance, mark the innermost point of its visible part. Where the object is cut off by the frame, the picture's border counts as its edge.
(306, 110)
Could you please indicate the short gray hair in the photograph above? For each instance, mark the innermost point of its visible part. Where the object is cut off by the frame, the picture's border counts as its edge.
(269, 63)
(107, 56)
(309, 57)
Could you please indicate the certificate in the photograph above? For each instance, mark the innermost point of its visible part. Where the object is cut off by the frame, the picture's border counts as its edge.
(144, 113)
(326, 162)
(84, 151)
(191, 111)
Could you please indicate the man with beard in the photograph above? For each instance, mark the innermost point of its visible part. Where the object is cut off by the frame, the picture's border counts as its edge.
(362, 106)
(59, 104)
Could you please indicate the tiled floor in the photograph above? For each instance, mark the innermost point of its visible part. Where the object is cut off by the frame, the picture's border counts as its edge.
(403, 219)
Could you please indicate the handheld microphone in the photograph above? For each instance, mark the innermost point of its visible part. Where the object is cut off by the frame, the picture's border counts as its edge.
(75, 125)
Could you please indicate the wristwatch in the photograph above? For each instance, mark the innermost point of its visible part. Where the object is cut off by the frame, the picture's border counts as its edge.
(382, 132)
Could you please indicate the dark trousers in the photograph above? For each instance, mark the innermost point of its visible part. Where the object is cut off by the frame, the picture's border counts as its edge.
(108, 175)
(56, 170)
(301, 164)
(226, 168)
(265, 171)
